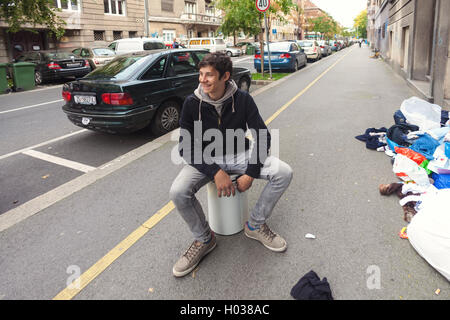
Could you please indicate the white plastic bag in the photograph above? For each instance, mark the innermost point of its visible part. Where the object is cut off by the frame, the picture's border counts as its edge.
(429, 230)
(407, 170)
(421, 113)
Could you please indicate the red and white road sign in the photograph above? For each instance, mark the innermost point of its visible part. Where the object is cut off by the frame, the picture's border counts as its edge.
(262, 5)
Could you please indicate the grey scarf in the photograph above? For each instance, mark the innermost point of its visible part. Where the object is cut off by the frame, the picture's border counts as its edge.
(230, 89)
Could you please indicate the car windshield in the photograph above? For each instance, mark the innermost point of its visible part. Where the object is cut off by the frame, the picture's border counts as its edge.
(121, 68)
(305, 44)
(103, 52)
(278, 46)
(60, 55)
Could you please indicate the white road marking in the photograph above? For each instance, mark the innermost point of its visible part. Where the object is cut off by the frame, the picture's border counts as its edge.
(60, 161)
(41, 144)
(32, 106)
(243, 59)
(53, 196)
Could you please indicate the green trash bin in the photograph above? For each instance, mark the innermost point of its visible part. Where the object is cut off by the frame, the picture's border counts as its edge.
(23, 75)
(3, 80)
(250, 50)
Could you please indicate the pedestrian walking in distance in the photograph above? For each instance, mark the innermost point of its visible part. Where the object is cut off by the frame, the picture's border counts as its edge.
(175, 44)
(218, 104)
(360, 42)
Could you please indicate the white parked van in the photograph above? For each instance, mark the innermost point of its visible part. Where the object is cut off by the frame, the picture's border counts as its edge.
(136, 44)
(211, 44)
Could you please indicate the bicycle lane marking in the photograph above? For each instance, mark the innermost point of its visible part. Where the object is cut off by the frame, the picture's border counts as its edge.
(69, 293)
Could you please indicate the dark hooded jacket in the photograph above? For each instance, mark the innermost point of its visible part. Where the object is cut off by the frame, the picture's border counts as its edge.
(238, 111)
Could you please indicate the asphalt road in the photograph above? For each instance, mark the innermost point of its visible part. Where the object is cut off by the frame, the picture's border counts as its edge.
(113, 224)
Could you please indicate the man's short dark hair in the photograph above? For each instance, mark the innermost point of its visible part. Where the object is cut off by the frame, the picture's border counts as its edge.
(219, 61)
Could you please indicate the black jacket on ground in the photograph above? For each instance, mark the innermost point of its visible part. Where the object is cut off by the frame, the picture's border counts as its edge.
(238, 112)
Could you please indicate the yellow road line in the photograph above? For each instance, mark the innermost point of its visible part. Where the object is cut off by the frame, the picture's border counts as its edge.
(69, 292)
(100, 266)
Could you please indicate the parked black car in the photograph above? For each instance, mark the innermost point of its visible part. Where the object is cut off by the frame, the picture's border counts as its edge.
(55, 65)
(137, 90)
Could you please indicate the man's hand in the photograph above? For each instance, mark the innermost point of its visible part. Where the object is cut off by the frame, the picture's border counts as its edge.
(224, 184)
(244, 182)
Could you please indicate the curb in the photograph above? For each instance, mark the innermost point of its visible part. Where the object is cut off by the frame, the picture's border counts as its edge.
(262, 82)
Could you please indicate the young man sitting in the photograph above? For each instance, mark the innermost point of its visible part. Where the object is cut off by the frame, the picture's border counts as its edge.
(217, 104)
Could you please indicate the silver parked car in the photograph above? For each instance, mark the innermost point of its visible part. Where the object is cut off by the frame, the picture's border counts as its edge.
(325, 47)
(97, 57)
(233, 51)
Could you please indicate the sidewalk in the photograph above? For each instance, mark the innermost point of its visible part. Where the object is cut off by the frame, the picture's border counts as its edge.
(334, 195)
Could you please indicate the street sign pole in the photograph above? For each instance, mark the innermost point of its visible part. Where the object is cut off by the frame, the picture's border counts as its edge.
(268, 46)
(263, 6)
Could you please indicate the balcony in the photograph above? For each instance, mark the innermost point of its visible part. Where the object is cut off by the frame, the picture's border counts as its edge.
(195, 18)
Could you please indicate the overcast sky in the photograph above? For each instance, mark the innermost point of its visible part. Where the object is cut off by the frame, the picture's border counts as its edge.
(343, 11)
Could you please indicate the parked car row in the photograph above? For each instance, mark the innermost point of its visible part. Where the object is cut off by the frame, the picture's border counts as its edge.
(293, 54)
(138, 90)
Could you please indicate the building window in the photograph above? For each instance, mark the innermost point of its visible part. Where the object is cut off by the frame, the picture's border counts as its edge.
(190, 7)
(168, 35)
(167, 5)
(132, 34)
(99, 35)
(117, 35)
(69, 5)
(117, 7)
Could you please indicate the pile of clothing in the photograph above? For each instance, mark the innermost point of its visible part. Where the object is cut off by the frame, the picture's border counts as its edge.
(419, 146)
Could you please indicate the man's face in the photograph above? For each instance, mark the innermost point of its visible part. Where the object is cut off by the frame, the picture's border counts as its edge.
(211, 84)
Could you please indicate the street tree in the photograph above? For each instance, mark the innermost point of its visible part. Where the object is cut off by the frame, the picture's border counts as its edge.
(325, 25)
(297, 17)
(242, 16)
(20, 14)
(360, 24)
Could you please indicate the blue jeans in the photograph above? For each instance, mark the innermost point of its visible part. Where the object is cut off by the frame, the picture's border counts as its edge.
(190, 180)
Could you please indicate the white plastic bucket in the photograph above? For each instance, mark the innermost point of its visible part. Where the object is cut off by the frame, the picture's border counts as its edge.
(226, 215)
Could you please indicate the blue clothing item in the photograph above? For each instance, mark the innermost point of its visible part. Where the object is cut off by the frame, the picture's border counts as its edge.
(425, 145)
(444, 117)
(399, 118)
(441, 181)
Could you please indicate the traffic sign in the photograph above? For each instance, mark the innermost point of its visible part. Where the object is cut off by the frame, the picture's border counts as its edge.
(262, 5)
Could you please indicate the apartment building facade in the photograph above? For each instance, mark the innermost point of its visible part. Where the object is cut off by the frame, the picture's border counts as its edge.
(413, 37)
(183, 19)
(88, 22)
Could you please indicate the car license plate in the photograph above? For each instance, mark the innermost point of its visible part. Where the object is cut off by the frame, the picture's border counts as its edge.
(89, 100)
(72, 65)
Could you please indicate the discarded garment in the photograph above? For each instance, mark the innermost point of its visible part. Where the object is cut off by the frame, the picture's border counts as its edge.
(310, 287)
(398, 133)
(373, 138)
(425, 145)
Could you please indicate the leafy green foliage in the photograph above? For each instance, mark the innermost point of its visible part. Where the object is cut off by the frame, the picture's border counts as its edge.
(361, 24)
(17, 13)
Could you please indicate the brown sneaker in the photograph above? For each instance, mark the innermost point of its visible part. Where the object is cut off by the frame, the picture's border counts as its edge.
(192, 257)
(267, 237)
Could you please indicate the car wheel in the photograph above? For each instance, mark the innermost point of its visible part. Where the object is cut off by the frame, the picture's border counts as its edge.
(229, 54)
(244, 84)
(38, 78)
(295, 66)
(166, 118)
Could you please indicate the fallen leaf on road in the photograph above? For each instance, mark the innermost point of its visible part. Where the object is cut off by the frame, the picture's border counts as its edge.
(437, 291)
(46, 176)
(150, 290)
